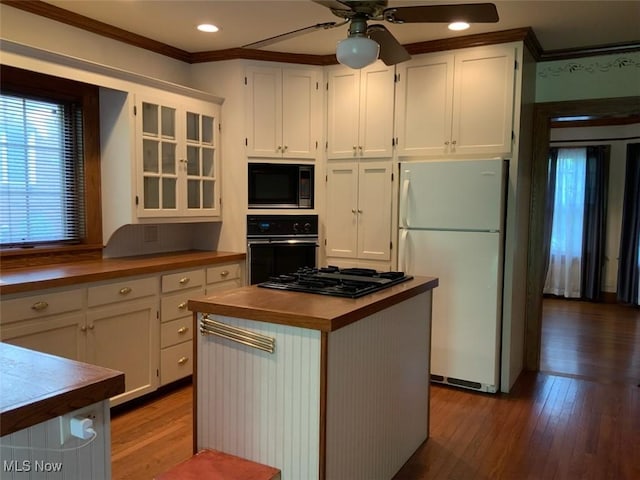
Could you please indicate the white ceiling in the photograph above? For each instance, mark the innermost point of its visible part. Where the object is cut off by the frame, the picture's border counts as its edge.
(557, 24)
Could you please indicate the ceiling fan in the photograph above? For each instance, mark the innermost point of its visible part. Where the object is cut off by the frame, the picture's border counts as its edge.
(365, 43)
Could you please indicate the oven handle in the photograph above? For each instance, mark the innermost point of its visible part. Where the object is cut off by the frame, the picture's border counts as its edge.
(284, 242)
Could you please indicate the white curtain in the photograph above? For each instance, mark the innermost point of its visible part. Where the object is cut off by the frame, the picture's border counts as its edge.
(565, 260)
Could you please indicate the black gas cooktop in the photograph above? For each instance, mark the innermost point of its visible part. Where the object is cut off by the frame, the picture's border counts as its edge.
(345, 282)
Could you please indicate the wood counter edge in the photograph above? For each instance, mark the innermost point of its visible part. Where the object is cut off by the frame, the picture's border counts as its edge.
(96, 384)
(108, 269)
(381, 300)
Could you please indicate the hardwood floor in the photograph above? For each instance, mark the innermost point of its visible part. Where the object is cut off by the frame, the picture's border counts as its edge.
(594, 341)
(578, 424)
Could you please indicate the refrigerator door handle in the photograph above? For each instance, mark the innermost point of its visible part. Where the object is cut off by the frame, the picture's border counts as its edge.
(404, 251)
(404, 198)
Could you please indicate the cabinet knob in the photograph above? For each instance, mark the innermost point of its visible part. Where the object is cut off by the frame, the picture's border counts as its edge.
(182, 305)
(125, 291)
(361, 149)
(183, 330)
(83, 328)
(184, 280)
(447, 142)
(359, 211)
(279, 148)
(453, 143)
(353, 210)
(39, 306)
(183, 360)
(224, 273)
(92, 326)
(285, 148)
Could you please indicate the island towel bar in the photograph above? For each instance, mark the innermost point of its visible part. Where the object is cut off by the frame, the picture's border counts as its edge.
(235, 334)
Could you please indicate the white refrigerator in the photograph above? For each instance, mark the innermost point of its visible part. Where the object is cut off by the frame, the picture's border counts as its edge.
(451, 223)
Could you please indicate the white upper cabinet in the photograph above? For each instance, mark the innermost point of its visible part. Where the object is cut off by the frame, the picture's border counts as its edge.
(283, 112)
(178, 162)
(360, 112)
(457, 103)
(159, 158)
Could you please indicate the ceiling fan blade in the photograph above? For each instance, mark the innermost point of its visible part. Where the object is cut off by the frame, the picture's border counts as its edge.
(391, 51)
(469, 12)
(292, 34)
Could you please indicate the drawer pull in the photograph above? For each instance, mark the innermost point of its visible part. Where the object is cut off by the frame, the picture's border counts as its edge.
(184, 280)
(224, 273)
(182, 306)
(183, 330)
(39, 306)
(125, 291)
(183, 360)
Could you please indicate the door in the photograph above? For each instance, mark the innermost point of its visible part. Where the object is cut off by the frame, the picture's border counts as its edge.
(343, 113)
(374, 210)
(375, 137)
(342, 209)
(453, 194)
(467, 303)
(125, 337)
(424, 105)
(483, 101)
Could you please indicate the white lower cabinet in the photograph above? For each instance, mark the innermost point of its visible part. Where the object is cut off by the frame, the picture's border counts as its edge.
(138, 325)
(122, 332)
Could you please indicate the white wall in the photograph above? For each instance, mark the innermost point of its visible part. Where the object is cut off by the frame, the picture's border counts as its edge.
(618, 137)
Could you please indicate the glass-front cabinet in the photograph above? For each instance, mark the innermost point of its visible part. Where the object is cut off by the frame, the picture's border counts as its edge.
(178, 159)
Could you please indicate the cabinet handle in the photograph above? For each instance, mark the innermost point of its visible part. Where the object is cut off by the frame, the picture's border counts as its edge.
(224, 273)
(183, 360)
(125, 291)
(184, 280)
(182, 306)
(39, 306)
(183, 330)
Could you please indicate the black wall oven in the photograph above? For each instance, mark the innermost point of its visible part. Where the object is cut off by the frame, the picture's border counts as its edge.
(280, 185)
(280, 244)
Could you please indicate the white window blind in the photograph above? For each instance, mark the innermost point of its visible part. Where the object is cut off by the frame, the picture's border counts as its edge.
(41, 171)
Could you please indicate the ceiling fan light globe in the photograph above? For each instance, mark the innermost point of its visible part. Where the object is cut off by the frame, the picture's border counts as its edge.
(357, 52)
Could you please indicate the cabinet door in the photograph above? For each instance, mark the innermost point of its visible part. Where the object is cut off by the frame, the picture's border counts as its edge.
(343, 113)
(62, 335)
(125, 337)
(424, 105)
(342, 207)
(201, 167)
(374, 210)
(264, 111)
(300, 111)
(375, 137)
(483, 101)
(157, 153)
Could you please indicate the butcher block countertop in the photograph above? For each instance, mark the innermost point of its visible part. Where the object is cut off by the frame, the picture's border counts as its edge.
(306, 310)
(49, 276)
(35, 387)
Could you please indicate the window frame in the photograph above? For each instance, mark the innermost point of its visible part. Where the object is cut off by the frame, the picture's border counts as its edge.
(45, 86)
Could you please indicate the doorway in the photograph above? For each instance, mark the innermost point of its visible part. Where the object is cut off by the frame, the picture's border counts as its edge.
(543, 114)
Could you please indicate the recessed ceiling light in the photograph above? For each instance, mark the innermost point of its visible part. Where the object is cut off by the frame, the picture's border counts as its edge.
(458, 26)
(207, 27)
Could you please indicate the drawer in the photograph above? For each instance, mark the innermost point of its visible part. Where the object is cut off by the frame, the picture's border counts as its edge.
(176, 331)
(122, 290)
(36, 306)
(220, 273)
(182, 280)
(176, 362)
(175, 305)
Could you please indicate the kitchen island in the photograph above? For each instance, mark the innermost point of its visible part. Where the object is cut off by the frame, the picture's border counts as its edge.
(320, 387)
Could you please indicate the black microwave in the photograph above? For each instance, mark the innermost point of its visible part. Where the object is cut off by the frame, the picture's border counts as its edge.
(278, 185)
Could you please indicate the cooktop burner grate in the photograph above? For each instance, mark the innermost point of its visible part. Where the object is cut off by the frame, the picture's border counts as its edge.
(333, 281)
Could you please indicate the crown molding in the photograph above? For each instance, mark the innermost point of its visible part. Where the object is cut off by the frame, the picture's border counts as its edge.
(525, 34)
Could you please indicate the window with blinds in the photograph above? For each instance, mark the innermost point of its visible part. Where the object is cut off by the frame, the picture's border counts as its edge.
(41, 171)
